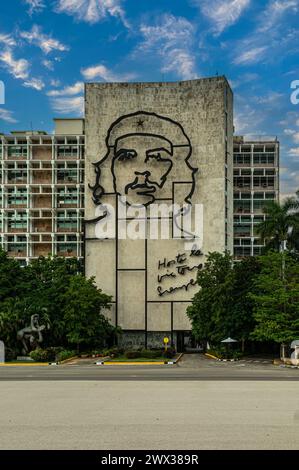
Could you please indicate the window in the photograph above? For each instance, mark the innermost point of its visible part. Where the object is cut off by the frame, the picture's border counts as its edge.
(258, 206)
(66, 244)
(17, 221)
(67, 221)
(246, 241)
(263, 159)
(17, 196)
(242, 251)
(68, 196)
(67, 151)
(17, 176)
(241, 159)
(242, 230)
(242, 181)
(242, 206)
(17, 151)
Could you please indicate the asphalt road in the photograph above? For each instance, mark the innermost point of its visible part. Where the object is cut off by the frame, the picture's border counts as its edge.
(192, 367)
(198, 404)
(149, 415)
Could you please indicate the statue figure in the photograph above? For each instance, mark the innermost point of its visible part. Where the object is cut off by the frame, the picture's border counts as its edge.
(31, 336)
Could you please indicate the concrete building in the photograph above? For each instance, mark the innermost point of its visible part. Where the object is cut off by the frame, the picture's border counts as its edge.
(166, 142)
(41, 191)
(256, 181)
(42, 205)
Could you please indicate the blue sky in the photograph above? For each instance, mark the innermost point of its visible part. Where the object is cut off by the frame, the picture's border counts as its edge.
(49, 48)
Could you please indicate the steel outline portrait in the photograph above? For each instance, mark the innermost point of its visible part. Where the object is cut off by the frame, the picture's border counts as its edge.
(157, 135)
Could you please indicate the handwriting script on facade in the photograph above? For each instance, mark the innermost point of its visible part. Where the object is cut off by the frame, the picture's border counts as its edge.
(176, 268)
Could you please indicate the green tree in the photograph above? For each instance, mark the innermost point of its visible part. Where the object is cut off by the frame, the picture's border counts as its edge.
(82, 313)
(281, 223)
(47, 279)
(11, 277)
(221, 307)
(48, 287)
(241, 305)
(276, 299)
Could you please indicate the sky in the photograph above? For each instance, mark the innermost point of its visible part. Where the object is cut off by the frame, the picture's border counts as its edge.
(48, 49)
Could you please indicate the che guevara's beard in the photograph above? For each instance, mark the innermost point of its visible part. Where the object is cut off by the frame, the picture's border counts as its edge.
(141, 192)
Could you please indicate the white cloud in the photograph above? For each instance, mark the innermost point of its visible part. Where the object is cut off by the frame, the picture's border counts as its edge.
(274, 11)
(243, 79)
(222, 13)
(171, 39)
(294, 152)
(288, 131)
(6, 115)
(182, 63)
(48, 64)
(92, 11)
(64, 101)
(68, 105)
(75, 89)
(250, 56)
(272, 33)
(19, 68)
(101, 72)
(271, 98)
(295, 137)
(34, 83)
(54, 82)
(7, 40)
(35, 6)
(45, 42)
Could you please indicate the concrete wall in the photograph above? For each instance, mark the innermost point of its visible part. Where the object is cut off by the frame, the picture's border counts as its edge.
(69, 126)
(192, 112)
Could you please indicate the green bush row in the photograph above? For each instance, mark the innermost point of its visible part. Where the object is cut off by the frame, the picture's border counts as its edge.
(222, 353)
(51, 354)
(137, 353)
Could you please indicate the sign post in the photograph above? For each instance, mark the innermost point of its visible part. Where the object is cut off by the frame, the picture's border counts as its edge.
(166, 341)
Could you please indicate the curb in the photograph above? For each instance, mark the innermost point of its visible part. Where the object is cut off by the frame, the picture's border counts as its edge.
(132, 363)
(279, 363)
(179, 358)
(126, 363)
(63, 362)
(211, 356)
(16, 364)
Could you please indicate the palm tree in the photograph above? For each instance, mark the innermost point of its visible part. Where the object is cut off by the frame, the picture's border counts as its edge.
(281, 223)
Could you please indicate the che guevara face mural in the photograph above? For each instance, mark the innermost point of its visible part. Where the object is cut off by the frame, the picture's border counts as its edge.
(146, 154)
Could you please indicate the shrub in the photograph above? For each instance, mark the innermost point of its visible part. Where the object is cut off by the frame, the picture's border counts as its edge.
(222, 353)
(65, 354)
(150, 354)
(169, 353)
(132, 354)
(97, 352)
(113, 352)
(10, 354)
(40, 355)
